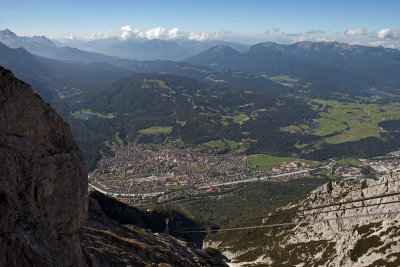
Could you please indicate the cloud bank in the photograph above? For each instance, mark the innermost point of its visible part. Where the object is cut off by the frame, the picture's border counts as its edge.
(128, 32)
(355, 31)
(386, 37)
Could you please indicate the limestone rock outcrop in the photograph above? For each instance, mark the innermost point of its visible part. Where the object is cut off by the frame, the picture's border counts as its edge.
(43, 181)
(346, 232)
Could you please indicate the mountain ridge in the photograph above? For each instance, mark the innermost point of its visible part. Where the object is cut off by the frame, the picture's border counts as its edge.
(42, 46)
(377, 66)
(51, 77)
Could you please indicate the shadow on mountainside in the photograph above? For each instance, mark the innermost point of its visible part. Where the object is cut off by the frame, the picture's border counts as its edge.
(154, 220)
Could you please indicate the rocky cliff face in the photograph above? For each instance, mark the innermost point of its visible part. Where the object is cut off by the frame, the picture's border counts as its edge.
(44, 198)
(43, 181)
(359, 239)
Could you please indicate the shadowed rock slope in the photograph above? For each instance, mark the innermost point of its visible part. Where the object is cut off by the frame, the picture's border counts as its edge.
(109, 243)
(43, 181)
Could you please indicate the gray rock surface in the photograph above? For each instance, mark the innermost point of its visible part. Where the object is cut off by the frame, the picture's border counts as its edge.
(358, 233)
(43, 181)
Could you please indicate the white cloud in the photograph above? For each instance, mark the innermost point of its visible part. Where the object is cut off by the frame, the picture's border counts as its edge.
(276, 29)
(128, 32)
(296, 39)
(155, 33)
(198, 36)
(388, 33)
(324, 39)
(174, 33)
(355, 31)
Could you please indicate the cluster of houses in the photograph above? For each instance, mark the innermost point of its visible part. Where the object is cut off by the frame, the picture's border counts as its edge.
(172, 168)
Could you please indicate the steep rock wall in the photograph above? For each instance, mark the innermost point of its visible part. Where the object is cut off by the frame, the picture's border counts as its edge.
(43, 181)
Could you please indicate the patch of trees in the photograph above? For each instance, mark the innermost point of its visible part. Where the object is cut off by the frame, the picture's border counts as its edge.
(390, 125)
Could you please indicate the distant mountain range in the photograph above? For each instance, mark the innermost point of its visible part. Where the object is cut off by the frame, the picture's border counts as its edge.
(341, 65)
(52, 78)
(108, 50)
(320, 69)
(144, 49)
(42, 46)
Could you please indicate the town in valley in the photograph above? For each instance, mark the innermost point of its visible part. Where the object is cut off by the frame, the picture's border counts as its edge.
(172, 171)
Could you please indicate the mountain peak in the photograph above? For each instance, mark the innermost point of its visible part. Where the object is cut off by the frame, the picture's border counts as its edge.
(7, 31)
(219, 56)
(267, 46)
(12, 40)
(304, 44)
(222, 49)
(7, 34)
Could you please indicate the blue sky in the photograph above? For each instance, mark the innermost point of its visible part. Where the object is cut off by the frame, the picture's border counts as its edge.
(237, 20)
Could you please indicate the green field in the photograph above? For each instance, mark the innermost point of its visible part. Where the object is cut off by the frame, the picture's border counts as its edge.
(215, 144)
(330, 126)
(354, 121)
(341, 122)
(89, 111)
(284, 80)
(176, 187)
(262, 162)
(241, 118)
(157, 130)
(231, 145)
(238, 118)
(119, 139)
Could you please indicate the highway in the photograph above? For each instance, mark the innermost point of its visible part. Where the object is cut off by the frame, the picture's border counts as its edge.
(125, 194)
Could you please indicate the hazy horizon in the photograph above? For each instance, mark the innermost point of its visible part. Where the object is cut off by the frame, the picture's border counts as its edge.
(370, 23)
